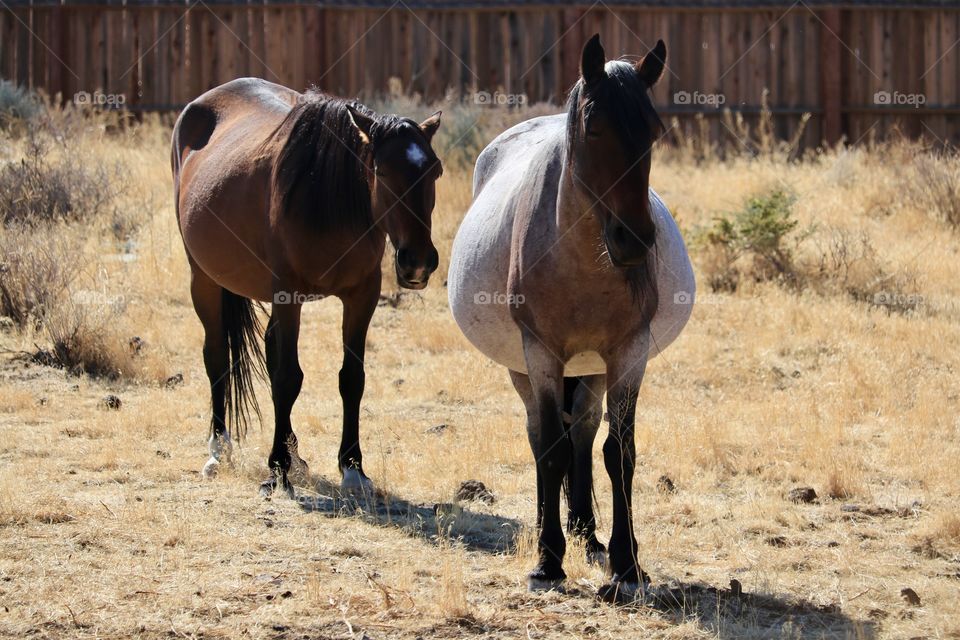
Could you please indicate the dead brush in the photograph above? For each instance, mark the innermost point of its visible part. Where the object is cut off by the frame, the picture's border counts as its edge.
(935, 182)
(841, 262)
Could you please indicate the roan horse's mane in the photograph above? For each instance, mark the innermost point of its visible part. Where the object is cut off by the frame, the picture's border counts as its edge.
(622, 96)
(319, 172)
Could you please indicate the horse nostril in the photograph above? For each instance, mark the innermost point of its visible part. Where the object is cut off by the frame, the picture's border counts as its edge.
(403, 258)
(433, 260)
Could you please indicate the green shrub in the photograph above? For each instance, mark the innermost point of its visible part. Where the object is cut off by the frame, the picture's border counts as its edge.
(756, 235)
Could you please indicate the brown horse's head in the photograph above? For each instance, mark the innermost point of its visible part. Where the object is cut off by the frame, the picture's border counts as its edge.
(402, 170)
(612, 126)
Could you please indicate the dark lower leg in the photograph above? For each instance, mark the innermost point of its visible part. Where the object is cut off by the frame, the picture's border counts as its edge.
(553, 459)
(357, 311)
(582, 406)
(286, 379)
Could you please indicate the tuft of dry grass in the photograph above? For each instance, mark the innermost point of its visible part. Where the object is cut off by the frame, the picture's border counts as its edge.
(108, 530)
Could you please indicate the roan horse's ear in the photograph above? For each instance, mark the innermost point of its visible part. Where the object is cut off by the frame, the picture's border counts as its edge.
(592, 60)
(430, 125)
(362, 122)
(651, 67)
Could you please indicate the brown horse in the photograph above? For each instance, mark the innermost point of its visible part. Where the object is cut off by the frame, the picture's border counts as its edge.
(285, 197)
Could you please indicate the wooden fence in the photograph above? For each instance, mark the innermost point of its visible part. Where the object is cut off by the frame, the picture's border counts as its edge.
(858, 70)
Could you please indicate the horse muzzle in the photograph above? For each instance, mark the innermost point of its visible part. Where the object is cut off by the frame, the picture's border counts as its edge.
(414, 272)
(625, 247)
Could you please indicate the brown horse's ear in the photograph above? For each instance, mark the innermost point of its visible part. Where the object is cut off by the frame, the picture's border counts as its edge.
(592, 60)
(430, 125)
(651, 67)
(362, 122)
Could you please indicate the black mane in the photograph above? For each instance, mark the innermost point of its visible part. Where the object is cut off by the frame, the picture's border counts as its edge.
(319, 172)
(622, 96)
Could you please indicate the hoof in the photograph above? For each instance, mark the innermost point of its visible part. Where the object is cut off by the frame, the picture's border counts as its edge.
(355, 482)
(211, 469)
(625, 592)
(621, 593)
(269, 487)
(535, 584)
(597, 557)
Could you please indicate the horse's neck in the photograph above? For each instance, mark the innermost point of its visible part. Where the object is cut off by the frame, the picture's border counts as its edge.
(578, 230)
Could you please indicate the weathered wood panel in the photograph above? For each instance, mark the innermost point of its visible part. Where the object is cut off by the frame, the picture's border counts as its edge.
(860, 73)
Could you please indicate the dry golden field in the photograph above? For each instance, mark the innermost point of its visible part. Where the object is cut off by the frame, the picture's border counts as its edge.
(840, 374)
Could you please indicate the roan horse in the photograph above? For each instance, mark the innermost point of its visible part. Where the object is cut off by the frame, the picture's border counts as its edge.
(570, 271)
(286, 197)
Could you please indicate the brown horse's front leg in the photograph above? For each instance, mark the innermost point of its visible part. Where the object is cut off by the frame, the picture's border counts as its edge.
(286, 378)
(358, 308)
(624, 374)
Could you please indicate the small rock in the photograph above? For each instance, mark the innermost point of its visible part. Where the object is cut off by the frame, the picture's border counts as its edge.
(804, 495)
(849, 508)
(736, 589)
(438, 429)
(163, 454)
(777, 541)
(111, 402)
(173, 381)
(136, 345)
(475, 490)
(910, 596)
(665, 485)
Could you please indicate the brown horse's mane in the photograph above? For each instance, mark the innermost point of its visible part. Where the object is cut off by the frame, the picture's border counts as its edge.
(622, 96)
(319, 172)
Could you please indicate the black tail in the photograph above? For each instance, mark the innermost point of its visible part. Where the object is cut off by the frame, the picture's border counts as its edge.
(243, 330)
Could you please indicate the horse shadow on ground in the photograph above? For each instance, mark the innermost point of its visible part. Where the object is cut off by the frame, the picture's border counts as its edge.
(725, 612)
(733, 613)
(440, 523)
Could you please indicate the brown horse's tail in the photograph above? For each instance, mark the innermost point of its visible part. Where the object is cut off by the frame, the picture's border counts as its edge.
(243, 330)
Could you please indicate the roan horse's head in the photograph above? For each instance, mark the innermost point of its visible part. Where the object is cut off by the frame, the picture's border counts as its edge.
(402, 177)
(611, 128)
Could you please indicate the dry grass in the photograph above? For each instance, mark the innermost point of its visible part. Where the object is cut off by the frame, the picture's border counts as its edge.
(108, 530)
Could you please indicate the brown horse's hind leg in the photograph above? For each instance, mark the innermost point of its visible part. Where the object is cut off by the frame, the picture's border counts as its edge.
(583, 406)
(208, 303)
(286, 379)
(357, 311)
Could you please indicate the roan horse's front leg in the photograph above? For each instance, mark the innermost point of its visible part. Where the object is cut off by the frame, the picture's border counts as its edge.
(358, 308)
(542, 393)
(624, 375)
(286, 378)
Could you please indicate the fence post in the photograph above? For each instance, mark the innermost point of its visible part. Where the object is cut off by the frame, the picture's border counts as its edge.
(831, 75)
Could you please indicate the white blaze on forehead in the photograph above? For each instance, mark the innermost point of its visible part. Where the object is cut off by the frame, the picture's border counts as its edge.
(416, 155)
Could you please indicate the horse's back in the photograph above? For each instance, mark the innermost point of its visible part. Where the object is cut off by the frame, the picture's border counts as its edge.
(221, 180)
(520, 170)
(505, 172)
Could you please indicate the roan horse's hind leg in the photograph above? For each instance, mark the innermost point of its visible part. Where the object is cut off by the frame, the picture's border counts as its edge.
(208, 302)
(286, 378)
(583, 409)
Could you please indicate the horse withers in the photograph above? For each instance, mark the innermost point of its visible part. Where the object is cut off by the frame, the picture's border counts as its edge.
(285, 197)
(569, 271)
